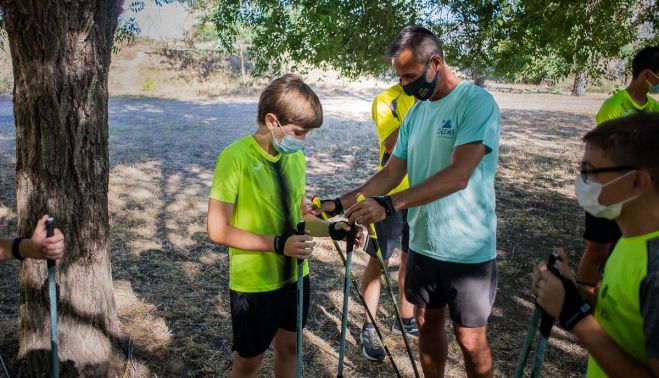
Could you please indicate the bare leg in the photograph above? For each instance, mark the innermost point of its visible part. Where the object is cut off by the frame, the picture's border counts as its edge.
(245, 367)
(433, 346)
(285, 353)
(475, 350)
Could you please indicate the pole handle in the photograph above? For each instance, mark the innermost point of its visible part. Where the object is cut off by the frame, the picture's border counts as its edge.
(547, 322)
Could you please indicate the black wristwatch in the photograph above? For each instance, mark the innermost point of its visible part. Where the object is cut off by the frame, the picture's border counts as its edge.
(385, 201)
(15, 249)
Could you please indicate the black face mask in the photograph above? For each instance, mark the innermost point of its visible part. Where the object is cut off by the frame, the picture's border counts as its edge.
(420, 88)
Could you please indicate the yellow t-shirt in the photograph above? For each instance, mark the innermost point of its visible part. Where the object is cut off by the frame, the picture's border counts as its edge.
(246, 177)
(621, 104)
(388, 110)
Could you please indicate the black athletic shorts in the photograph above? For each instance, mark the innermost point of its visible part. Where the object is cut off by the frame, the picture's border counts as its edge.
(467, 289)
(393, 232)
(256, 317)
(601, 230)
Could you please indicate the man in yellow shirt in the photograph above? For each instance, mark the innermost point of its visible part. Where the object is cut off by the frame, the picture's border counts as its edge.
(601, 234)
(388, 110)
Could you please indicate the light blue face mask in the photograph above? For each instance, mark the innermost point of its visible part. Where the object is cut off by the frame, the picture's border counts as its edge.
(288, 144)
(654, 88)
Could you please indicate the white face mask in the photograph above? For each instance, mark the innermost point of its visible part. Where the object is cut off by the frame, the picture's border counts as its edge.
(588, 197)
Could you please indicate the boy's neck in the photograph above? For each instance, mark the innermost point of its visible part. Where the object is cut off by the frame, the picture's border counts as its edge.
(641, 218)
(263, 138)
(638, 91)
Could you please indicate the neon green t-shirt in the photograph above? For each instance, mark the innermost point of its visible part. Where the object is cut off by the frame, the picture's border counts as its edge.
(384, 105)
(246, 177)
(628, 300)
(621, 104)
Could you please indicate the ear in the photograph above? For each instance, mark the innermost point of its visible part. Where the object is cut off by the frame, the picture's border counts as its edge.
(437, 61)
(271, 121)
(642, 181)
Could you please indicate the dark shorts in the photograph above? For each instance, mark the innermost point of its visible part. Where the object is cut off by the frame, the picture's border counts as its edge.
(393, 232)
(601, 230)
(467, 289)
(256, 317)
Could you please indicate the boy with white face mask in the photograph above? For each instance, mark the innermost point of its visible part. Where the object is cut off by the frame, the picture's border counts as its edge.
(619, 180)
(258, 188)
(600, 233)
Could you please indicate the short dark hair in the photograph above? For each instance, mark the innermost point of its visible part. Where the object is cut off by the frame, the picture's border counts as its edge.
(647, 58)
(292, 101)
(631, 140)
(423, 43)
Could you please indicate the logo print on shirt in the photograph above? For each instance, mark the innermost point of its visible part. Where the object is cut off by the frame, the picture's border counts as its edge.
(446, 131)
(258, 166)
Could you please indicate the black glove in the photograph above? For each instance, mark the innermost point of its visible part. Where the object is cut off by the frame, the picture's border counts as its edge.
(385, 201)
(280, 240)
(337, 233)
(338, 207)
(574, 307)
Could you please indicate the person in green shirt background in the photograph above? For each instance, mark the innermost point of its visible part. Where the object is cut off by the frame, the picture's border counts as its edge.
(255, 178)
(618, 179)
(601, 234)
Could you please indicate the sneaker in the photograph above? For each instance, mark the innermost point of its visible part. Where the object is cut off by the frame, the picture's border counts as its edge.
(410, 325)
(371, 345)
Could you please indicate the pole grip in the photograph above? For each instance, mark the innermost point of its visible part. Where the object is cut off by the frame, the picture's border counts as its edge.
(50, 231)
(546, 321)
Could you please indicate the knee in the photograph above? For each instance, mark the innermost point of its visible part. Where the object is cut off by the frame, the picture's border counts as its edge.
(286, 349)
(431, 321)
(244, 367)
(472, 342)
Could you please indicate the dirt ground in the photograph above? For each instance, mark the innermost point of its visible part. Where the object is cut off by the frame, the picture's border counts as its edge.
(171, 283)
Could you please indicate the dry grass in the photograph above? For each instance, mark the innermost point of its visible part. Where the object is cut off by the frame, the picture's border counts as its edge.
(171, 282)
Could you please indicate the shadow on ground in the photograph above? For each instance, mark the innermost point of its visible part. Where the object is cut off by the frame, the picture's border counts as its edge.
(171, 281)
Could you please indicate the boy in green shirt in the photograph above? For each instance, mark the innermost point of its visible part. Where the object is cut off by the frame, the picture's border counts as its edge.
(618, 179)
(255, 177)
(601, 234)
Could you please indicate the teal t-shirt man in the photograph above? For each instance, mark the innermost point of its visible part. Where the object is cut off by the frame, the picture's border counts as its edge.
(461, 227)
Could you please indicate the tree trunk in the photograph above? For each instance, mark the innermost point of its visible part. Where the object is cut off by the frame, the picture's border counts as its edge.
(580, 81)
(242, 64)
(61, 56)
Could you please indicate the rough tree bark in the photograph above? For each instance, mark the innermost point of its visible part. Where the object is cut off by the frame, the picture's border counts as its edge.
(61, 56)
(580, 81)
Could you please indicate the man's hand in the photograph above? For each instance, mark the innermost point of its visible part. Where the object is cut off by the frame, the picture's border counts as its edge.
(41, 247)
(299, 246)
(366, 212)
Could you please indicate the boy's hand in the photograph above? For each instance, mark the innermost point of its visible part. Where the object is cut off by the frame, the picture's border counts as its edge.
(41, 247)
(559, 296)
(331, 207)
(341, 228)
(299, 246)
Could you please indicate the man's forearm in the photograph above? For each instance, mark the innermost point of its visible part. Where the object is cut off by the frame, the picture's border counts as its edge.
(379, 184)
(439, 185)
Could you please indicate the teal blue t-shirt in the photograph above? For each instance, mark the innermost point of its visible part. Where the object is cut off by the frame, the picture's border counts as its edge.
(460, 227)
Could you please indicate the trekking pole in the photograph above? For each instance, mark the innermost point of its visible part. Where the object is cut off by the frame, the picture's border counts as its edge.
(316, 201)
(546, 324)
(52, 295)
(374, 238)
(350, 245)
(300, 306)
